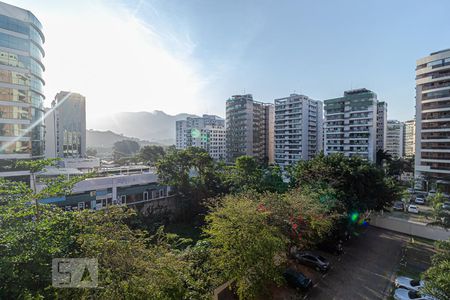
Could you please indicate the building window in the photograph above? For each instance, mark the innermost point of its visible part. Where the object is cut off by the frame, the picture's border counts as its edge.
(145, 195)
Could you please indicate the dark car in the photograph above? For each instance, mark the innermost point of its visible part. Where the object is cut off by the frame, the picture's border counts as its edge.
(297, 279)
(399, 205)
(318, 262)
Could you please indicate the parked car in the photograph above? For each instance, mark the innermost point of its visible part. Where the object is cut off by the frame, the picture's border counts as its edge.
(411, 190)
(297, 279)
(318, 262)
(409, 283)
(399, 205)
(431, 193)
(420, 200)
(413, 209)
(446, 205)
(404, 294)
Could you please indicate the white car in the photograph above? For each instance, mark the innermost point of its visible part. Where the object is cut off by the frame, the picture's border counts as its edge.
(413, 209)
(419, 200)
(404, 294)
(409, 283)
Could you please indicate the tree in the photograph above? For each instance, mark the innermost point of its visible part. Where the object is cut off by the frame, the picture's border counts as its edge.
(29, 241)
(357, 184)
(382, 156)
(245, 247)
(441, 216)
(91, 151)
(151, 154)
(193, 175)
(124, 149)
(132, 264)
(437, 277)
(304, 217)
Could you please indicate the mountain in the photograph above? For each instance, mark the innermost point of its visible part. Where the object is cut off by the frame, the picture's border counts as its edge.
(156, 126)
(106, 139)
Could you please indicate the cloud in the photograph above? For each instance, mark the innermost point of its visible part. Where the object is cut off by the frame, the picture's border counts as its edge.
(118, 61)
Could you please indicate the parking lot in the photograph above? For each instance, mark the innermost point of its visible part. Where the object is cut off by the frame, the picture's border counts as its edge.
(364, 271)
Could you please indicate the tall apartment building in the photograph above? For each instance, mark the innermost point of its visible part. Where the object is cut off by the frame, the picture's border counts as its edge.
(249, 128)
(298, 129)
(394, 138)
(65, 123)
(409, 139)
(432, 160)
(207, 132)
(381, 125)
(21, 89)
(351, 124)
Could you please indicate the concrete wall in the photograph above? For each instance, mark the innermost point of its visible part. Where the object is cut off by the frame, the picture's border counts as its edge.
(409, 227)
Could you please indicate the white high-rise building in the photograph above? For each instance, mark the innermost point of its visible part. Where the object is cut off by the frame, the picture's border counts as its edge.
(207, 132)
(432, 159)
(351, 124)
(394, 138)
(298, 129)
(409, 139)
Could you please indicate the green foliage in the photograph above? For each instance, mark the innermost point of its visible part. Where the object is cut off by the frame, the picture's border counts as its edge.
(441, 217)
(151, 154)
(245, 248)
(358, 185)
(437, 277)
(305, 217)
(191, 172)
(36, 165)
(125, 149)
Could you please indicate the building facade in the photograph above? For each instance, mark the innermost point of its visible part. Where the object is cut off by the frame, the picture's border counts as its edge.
(249, 128)
(381, 125)
(21, 89)
(298, 129)
(66, 126)
(395, 138)
(207, 132)
(351, 124)
(432, 159)
(409, 139)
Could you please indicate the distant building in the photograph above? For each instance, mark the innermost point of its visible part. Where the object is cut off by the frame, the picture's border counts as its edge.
(381, 125)
(250, 128)
(394, 138)
(21, 90)
(409, 139)
(298, 129)
(207, 132)
(351, 124)
(432, 159)
(66, 126)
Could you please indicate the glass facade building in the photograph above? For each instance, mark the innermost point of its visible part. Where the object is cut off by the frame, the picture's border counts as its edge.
(21, 87)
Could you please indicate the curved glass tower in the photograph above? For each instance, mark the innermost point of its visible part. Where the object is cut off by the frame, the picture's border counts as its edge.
(21, 88)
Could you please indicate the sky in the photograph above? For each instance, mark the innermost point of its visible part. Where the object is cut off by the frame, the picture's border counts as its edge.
(189, 56)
